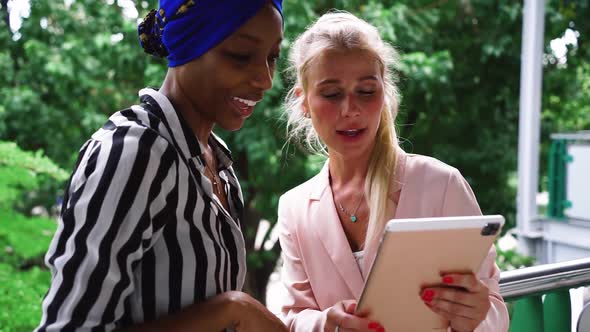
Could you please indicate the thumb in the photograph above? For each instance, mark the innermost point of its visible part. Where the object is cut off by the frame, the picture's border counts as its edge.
(350, 308)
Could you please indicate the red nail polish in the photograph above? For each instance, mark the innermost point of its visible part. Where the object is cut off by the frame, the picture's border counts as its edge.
(374, 325)
(448, 280)
(428, 293)
(381, 329)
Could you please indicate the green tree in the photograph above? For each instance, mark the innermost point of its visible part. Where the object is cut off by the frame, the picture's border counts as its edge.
(72, 66)
(23, 239)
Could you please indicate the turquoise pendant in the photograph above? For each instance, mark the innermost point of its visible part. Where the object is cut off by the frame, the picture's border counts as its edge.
(353, 218)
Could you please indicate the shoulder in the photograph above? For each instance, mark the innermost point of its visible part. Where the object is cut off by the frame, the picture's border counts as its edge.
(437, 181)
(427, 172)
(134, 131)
(302, 191)
(419, 164)
(301, 194)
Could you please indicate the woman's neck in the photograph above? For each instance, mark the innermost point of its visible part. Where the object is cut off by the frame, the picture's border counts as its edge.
(200, 126)
(348, 172)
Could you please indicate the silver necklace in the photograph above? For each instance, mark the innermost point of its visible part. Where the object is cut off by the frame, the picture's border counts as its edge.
(215, 183)
(353, 217)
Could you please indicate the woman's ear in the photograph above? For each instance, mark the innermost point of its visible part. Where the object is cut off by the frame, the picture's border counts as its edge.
(299, 93)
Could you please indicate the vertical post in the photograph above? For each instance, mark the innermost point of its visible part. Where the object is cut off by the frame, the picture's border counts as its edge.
(531, 75)
(557, 311)
(527, 315)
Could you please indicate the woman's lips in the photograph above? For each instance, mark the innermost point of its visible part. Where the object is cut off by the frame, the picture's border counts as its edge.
(351, 132)
(244, 107)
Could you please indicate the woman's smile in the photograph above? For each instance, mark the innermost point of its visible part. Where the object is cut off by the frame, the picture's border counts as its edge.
(351, 134)
(244, 107)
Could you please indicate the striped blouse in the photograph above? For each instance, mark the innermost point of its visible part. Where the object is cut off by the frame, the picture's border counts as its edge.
(141, 234)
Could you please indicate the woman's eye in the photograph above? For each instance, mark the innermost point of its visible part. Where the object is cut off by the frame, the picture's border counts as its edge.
(331, 95)
(240, 57)
(366, 92)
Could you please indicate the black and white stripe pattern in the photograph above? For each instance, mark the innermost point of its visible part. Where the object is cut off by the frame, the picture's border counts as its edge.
(141, 234)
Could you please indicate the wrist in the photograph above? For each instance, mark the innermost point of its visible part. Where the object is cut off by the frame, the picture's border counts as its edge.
(233, 307)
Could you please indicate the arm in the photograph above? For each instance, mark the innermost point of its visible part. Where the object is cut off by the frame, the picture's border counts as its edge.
(460, 201)
(107, 216)
(497, 317)
(299, 312)
(228, 310)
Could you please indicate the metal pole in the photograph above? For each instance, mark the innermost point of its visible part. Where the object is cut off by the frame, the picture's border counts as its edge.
(533, 31)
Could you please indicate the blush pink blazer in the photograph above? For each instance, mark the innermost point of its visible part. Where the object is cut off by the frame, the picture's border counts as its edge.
(319, 268)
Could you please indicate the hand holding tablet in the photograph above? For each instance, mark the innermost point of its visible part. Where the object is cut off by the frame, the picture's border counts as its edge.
(425, 273)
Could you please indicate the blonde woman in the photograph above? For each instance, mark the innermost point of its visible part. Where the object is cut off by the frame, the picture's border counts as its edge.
(344, 103)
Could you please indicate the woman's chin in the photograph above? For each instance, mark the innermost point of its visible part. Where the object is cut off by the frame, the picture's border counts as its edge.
(231, 125)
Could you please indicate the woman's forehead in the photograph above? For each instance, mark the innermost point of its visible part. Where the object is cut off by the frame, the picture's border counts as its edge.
(350, 64)
(265, 26)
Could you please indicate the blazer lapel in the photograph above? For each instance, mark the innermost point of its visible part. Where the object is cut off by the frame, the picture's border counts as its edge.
(331, 234)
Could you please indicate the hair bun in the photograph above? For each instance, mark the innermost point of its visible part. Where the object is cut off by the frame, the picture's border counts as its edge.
(150, 35)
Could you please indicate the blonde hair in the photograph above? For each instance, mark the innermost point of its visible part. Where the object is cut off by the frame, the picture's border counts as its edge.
(342, 31)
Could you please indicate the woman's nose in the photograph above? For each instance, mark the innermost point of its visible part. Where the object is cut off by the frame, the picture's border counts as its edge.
(262, 77)
(350, 107)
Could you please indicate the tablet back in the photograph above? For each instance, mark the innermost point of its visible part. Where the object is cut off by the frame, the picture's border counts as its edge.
(412, 255)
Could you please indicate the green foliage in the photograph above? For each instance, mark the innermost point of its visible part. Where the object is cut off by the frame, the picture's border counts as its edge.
(24, 240)
(23, 243)
(23, 172)
(64, 80)
(24, 177)
(510, 260)
(20, 297)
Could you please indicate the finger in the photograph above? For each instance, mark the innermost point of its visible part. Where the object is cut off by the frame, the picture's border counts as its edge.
(467, 280)
(456, 309)
(458, 323)
(349, 306)
(353, 310)
(281, 328)
(355, 323)
(454, 295)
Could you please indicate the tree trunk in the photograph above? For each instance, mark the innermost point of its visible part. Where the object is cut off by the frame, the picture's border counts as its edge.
(261, 263)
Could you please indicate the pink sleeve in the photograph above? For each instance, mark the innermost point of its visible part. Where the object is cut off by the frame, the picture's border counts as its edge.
(497, 318)
(299, 311)
(460, 201)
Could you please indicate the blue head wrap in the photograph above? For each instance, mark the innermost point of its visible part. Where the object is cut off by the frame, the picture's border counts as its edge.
(183, 30)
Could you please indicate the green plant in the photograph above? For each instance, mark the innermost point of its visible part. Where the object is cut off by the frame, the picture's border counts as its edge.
(24, 177)
(20, 297)
(511, 260)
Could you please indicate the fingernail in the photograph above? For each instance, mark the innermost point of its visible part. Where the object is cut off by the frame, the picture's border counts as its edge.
(374, 325)
(448, 280)
(429, 293)
(381, 329)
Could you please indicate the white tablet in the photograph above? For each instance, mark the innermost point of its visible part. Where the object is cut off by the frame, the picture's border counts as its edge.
(412, 255)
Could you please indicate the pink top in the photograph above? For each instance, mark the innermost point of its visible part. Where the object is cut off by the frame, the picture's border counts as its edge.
(319, 267)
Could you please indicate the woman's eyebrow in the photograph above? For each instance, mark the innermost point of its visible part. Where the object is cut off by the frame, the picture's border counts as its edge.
(328, 81)
(253, 39)
(369, 77)
(248, 37)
